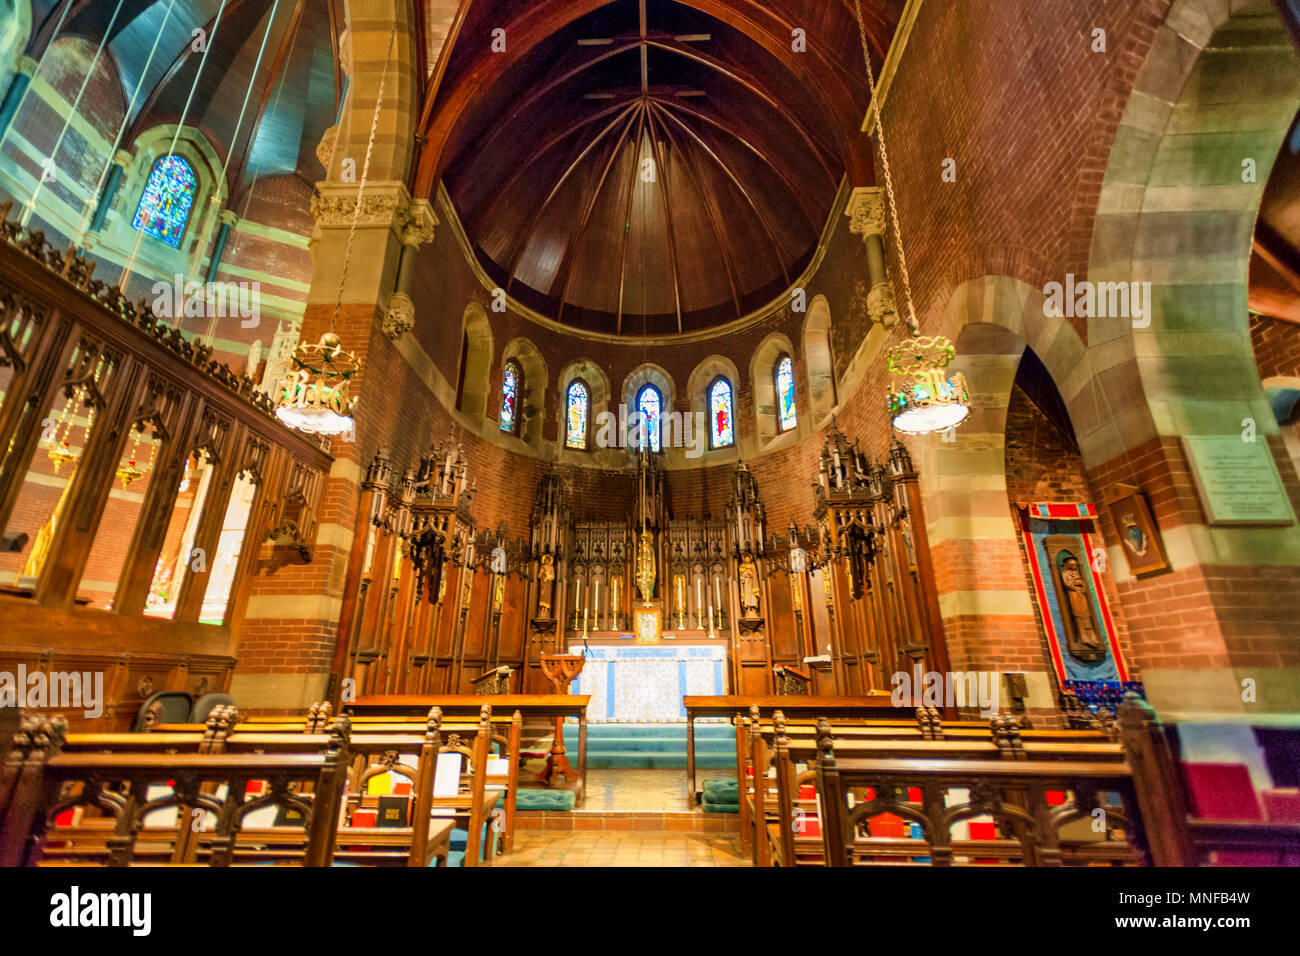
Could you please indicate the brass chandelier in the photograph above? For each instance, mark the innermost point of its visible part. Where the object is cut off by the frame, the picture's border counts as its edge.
(931, 401)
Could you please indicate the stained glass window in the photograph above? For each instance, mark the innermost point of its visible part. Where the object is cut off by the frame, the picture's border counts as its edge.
(165, 204)
(722, 432)
(649, 403)
(511, 380)
(575, 430)
(785, 392)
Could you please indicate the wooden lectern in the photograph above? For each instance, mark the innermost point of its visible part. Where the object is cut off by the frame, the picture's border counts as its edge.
(560, 670)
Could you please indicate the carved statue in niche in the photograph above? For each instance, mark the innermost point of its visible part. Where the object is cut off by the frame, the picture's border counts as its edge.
(1085, 640)
(428, 560)
(546, 584)
(861, 552)
(749, 587)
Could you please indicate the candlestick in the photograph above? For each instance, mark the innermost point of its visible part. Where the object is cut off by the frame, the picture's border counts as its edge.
(699, 601)
(597, 602)
(712, 633)
(717, 593)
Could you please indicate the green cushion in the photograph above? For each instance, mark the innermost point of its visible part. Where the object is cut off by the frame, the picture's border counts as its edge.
(711, 807)
(544, 800)
(721, 791)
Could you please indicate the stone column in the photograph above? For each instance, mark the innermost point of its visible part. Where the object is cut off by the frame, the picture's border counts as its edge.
(121, 160)
(866, 212)
(288, 634)
(228, 221)
(17, 87)
(399, 317)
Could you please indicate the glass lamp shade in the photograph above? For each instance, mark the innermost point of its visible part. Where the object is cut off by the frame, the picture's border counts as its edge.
(322, 421)
(930, 418)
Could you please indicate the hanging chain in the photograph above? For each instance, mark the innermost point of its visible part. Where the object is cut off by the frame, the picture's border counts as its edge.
(365, 175)
(889, 182)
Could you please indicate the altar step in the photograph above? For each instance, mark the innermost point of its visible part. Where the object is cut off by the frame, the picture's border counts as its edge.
(656, 745)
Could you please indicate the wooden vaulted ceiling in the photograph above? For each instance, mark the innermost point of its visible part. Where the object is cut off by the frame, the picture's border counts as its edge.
(288, 100)
(648, 166)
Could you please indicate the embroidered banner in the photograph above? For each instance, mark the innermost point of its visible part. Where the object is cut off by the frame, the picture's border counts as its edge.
(1072, 604)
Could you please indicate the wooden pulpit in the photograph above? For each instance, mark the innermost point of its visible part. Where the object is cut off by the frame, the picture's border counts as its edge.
(560, 670)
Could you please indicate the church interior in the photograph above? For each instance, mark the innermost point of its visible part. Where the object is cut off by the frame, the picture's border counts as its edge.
(661, 433)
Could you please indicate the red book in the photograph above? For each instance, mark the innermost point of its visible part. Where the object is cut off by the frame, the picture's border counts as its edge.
(807, 791)
(1282, 805)
(886, 825)
(64, 819)
(1221, 791)
(1055, 798)
(982, 831)
(808, 826)
(913, 794)
(402, 789)
(364, 818)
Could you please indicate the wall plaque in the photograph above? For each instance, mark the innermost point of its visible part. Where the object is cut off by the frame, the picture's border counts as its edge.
(1237, 481)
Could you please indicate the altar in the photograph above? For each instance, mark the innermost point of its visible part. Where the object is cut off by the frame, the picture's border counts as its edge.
(640, 684)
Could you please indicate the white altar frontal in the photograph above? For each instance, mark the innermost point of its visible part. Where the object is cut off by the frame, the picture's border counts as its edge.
(645, 684)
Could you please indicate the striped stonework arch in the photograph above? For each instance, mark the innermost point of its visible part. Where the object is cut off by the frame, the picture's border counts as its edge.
(1200, 130)
(986, 608)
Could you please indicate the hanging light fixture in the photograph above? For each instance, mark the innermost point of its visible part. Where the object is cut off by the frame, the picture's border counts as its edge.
(323, 406)
(931, 401)
(313, 395)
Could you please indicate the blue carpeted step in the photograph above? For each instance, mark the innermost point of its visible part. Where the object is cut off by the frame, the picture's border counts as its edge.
(661, 760)
(657, 745)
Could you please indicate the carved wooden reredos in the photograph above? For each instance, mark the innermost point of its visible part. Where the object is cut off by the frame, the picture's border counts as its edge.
(433, 604)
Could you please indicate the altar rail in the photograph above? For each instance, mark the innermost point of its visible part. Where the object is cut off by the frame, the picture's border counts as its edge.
(120, 372)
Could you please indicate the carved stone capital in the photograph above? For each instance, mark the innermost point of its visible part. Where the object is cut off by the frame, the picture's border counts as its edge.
(229, 217)
(866, 211)
(420, 223)
(325, 148)
(26, 65)
(123, 158)
(882, 307)
(400, 316)
(384, 204)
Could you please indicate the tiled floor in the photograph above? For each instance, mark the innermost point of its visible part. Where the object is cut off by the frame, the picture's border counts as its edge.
(630, 818)
(627, 848)
(621, 789)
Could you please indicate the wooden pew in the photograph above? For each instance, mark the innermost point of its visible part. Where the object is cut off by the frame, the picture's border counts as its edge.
(50, 782)
(1175, 837)
(1013, 791)
(378, 735)
(789, 751)
(380, 709)
(768, 812)
(378, 747)
(735, 706)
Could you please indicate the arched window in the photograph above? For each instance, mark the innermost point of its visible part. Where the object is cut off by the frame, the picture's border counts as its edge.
(722, 432)
(786, 416)
(166, 201)
(512, 386)
(649, 403)
(577, 405)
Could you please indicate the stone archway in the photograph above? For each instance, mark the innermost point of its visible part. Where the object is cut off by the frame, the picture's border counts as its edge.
(1177, 209)
(987, 611)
